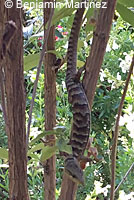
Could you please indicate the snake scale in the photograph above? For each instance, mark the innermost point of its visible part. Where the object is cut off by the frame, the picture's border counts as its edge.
(80, 107)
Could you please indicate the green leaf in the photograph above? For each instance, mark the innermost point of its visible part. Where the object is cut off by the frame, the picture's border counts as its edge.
(55, 53)
(37, 138)
(33, 37)
(58, 130)
(31, 61)
(47, 152)
(89, 14)
(62, 146)
(128, 3)
(58, 34)
(101, 114)
(70, 22)
(125, 13)
(59, 14)
(80, 63)
(89, 36)
(4, 187)
(36, 148)
(80, 44)
(89, 27)
(33, 156)
(3, 153)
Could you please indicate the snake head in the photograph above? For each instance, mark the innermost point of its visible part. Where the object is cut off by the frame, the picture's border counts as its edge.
(73, 170)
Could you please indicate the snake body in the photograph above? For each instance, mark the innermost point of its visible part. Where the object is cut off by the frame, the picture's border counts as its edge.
(80, 107)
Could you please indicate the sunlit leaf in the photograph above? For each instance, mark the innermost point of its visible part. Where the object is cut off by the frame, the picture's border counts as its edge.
(59, 129)
(62, 146)
(80, 45)
(3, 153)
(47, 152)
(4, 187)
(31, 61)
(59, 14)
(128, 3)
(55, 53)
(56, 131)
(80, 63)
(35, 156)
(89, 36)
(89, 14)
(36, 148)
(125, 13)
(36, 139)
(33, 37)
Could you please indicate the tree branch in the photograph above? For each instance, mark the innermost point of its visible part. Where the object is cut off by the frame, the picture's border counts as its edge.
(50, 108)
(115, 140)
(124, 178)
(38, 72)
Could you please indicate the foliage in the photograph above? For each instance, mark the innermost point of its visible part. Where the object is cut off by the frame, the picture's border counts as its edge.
(107, 98)
(4, 183)
(3, 136)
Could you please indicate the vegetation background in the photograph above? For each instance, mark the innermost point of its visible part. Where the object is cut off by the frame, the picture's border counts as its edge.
(109, 90)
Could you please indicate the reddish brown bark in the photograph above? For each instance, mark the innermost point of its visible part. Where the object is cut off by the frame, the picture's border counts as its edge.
(2, 25)
(50, 111)
(2, 18)
(100, 39)
(94, 62)
(14, 85)
(68, 189)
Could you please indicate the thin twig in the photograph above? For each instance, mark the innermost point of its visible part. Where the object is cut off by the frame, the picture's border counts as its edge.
(124, 178)
(37, 75)
(116, 132)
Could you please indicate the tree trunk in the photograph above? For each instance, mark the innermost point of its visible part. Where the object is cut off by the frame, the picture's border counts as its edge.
(68, 189)
(2, 25)
(94, 62)
(2, 18)
(50, 110)
(98, 48)
(14, 85)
